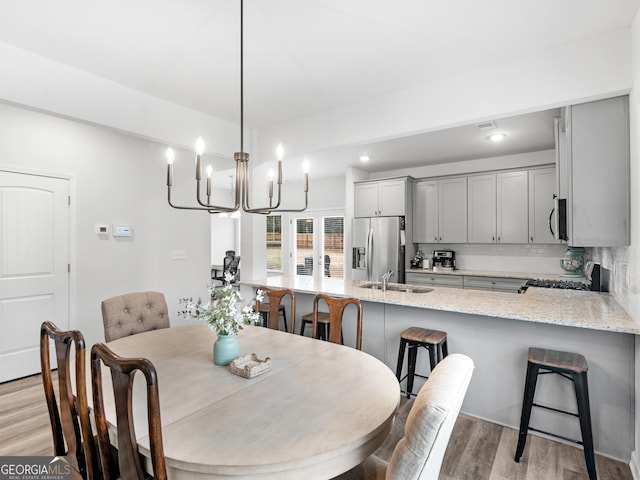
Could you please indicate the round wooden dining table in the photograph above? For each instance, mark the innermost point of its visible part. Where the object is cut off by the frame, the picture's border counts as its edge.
(321, 409)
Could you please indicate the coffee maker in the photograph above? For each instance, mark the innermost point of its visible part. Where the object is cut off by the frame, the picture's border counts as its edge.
(444, 260)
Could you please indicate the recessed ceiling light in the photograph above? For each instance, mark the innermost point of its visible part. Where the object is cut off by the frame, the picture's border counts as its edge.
(496, 137)
(364, 158)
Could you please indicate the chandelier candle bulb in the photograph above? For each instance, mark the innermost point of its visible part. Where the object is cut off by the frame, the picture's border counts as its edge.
(199, 152)
(209, 173)
(270, 186)
(170, 159)
(305, 170)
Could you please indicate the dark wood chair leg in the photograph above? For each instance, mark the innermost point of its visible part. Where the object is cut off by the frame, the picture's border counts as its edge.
(527, 403)
(303, 324)
(444, 349)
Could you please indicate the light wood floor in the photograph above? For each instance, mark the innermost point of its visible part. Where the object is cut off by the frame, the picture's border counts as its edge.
(478, 450)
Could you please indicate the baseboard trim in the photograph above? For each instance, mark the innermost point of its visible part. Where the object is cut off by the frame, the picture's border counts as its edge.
(633, 465)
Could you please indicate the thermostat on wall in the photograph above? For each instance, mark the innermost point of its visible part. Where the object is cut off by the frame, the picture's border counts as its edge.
(122, 231)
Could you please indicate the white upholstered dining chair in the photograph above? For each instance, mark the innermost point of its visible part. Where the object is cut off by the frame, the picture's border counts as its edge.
(419, 454)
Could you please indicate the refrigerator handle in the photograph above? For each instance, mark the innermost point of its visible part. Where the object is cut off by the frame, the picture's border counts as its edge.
(369, 253)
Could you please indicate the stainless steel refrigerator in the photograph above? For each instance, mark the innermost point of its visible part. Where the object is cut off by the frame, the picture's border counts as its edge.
(378, 247)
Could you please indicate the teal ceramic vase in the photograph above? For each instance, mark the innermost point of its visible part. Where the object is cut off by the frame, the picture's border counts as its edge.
(225, 349)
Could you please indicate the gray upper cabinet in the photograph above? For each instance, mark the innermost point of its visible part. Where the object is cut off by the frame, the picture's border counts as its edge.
(425, 212)
(440, 211)
(498, 207)
(383, 198)
(481, 208)
(452, 210)
(542, 187)
(597, 183)
(512, 205)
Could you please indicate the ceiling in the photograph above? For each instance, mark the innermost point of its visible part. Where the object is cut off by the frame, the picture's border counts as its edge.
(305, 57)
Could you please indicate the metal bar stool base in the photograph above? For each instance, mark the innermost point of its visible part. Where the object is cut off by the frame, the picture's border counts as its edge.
(414, 337)
(573, 367)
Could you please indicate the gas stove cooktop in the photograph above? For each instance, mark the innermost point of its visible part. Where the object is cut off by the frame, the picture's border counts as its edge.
(561, 284)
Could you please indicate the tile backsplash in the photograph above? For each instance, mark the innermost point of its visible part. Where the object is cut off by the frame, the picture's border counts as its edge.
(623, 280)
(504, 257)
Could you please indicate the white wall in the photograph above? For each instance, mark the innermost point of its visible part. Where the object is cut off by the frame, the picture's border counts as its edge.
(581, 71)
(624, 263)
(76, 94)
(118, 179)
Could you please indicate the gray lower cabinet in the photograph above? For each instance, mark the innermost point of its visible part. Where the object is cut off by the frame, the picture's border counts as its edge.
(495, 284)
(446, 280)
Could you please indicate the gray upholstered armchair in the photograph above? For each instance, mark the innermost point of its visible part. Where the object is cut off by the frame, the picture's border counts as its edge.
(133, 313)
(419, 454)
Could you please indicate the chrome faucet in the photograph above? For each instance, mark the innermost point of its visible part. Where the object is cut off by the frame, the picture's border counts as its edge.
(385, 279)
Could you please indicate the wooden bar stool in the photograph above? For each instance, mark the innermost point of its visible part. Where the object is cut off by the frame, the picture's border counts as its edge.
(434, 341)
(331, 322)
(571, 366)
(271, 311)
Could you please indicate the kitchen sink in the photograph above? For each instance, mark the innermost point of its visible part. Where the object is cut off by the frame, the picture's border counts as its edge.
(398, 287)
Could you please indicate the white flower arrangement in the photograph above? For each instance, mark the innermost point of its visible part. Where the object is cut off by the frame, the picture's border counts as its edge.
(224, 312)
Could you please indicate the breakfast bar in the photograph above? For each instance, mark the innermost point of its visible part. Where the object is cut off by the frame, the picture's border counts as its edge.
(496, 329)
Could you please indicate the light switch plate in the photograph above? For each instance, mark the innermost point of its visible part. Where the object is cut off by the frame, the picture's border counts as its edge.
(178, 254)
(102, 229)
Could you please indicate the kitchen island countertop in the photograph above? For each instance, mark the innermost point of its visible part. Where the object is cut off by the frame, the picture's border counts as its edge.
(571, 308)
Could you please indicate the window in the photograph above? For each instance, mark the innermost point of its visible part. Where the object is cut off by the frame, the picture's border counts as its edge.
(274, 242)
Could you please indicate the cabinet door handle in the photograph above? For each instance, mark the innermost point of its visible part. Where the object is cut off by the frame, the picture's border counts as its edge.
(493, 239)
(435, 239)
(440, 238)
(498, 238)
(532, 239)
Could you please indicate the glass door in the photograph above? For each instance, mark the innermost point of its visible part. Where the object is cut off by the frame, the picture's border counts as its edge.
(319, 245)
(333, 246)
(304, 245)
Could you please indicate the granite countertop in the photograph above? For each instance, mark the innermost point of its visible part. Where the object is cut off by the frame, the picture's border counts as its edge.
(571, 308)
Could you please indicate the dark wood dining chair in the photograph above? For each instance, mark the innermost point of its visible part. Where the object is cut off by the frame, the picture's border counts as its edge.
(332, 321)
(128, 465)
(271, 310)
(70, 421)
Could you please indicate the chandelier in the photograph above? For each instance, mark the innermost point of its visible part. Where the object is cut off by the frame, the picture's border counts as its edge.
(242, 184)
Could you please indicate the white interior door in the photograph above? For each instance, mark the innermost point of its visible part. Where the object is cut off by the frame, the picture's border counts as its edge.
(34, 258)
